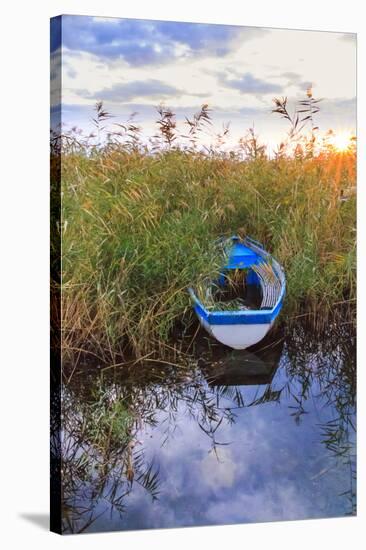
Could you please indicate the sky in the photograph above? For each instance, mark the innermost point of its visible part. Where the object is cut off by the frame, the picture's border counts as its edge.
(134, 65)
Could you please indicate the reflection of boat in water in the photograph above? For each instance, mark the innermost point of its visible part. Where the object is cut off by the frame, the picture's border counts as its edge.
(244, 368)
(240, 324)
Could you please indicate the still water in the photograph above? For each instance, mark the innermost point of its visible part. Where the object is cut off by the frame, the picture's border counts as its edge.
(221, 437)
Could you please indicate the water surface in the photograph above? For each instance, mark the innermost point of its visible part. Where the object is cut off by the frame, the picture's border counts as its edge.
(230, 437)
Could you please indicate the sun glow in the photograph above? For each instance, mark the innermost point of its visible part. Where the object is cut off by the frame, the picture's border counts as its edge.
(341, 141)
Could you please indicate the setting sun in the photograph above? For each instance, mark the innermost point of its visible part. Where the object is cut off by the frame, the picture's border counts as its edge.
(342, 141)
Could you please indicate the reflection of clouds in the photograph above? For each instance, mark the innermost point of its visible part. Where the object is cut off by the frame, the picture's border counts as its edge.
(218, 468)
(271, 503)
(264, 466)
(264, 474)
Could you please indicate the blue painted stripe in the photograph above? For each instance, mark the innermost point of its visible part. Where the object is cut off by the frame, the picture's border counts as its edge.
(201, 311)
(257, 318)
(251, 317)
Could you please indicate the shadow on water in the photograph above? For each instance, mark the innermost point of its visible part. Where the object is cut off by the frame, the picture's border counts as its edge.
(229, 437)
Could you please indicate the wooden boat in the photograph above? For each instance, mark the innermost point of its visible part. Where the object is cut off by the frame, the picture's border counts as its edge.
(243, 325)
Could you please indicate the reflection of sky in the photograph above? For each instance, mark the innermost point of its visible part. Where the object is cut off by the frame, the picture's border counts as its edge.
(269, 469)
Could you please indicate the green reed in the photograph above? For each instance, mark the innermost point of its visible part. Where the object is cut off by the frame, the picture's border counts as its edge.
(139, 225)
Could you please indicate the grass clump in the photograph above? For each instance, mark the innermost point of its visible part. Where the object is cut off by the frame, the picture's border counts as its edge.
(139, 226)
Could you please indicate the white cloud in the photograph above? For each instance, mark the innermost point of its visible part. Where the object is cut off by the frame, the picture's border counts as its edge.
(272, 62)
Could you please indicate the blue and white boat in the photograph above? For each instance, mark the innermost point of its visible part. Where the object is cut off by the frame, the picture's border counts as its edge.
(244, 326)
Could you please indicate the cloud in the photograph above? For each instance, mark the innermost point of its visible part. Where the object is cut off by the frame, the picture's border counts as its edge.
(295, 79)
(143, 42)
(292, 78)
(234, 112)
(333, 111)
(305, 85)
(126, 91)
(137, 42)
(249, 84)
(71, 72)
(56, 66)
(55, 76)
(216, 39)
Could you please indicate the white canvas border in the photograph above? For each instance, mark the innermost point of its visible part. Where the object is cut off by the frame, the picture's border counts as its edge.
(24, 274)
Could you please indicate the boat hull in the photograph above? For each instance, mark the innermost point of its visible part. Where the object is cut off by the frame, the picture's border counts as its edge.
(237, 336)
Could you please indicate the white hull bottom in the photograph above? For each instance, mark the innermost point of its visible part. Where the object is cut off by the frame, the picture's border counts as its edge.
(237, 336)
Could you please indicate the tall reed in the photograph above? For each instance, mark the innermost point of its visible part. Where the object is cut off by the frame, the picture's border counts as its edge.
(139, 223)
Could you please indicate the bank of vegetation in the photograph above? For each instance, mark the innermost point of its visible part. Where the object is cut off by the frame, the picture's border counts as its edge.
(139, 220)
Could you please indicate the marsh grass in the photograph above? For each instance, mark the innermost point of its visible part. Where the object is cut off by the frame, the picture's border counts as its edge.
(139, 226)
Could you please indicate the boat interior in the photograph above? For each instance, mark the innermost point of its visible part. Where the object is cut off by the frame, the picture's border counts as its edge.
(248, 280)
(255, 287)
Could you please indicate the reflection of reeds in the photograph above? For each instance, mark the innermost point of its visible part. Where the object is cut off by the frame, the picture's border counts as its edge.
(138, 221)
(103, 458)
(335, 375)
